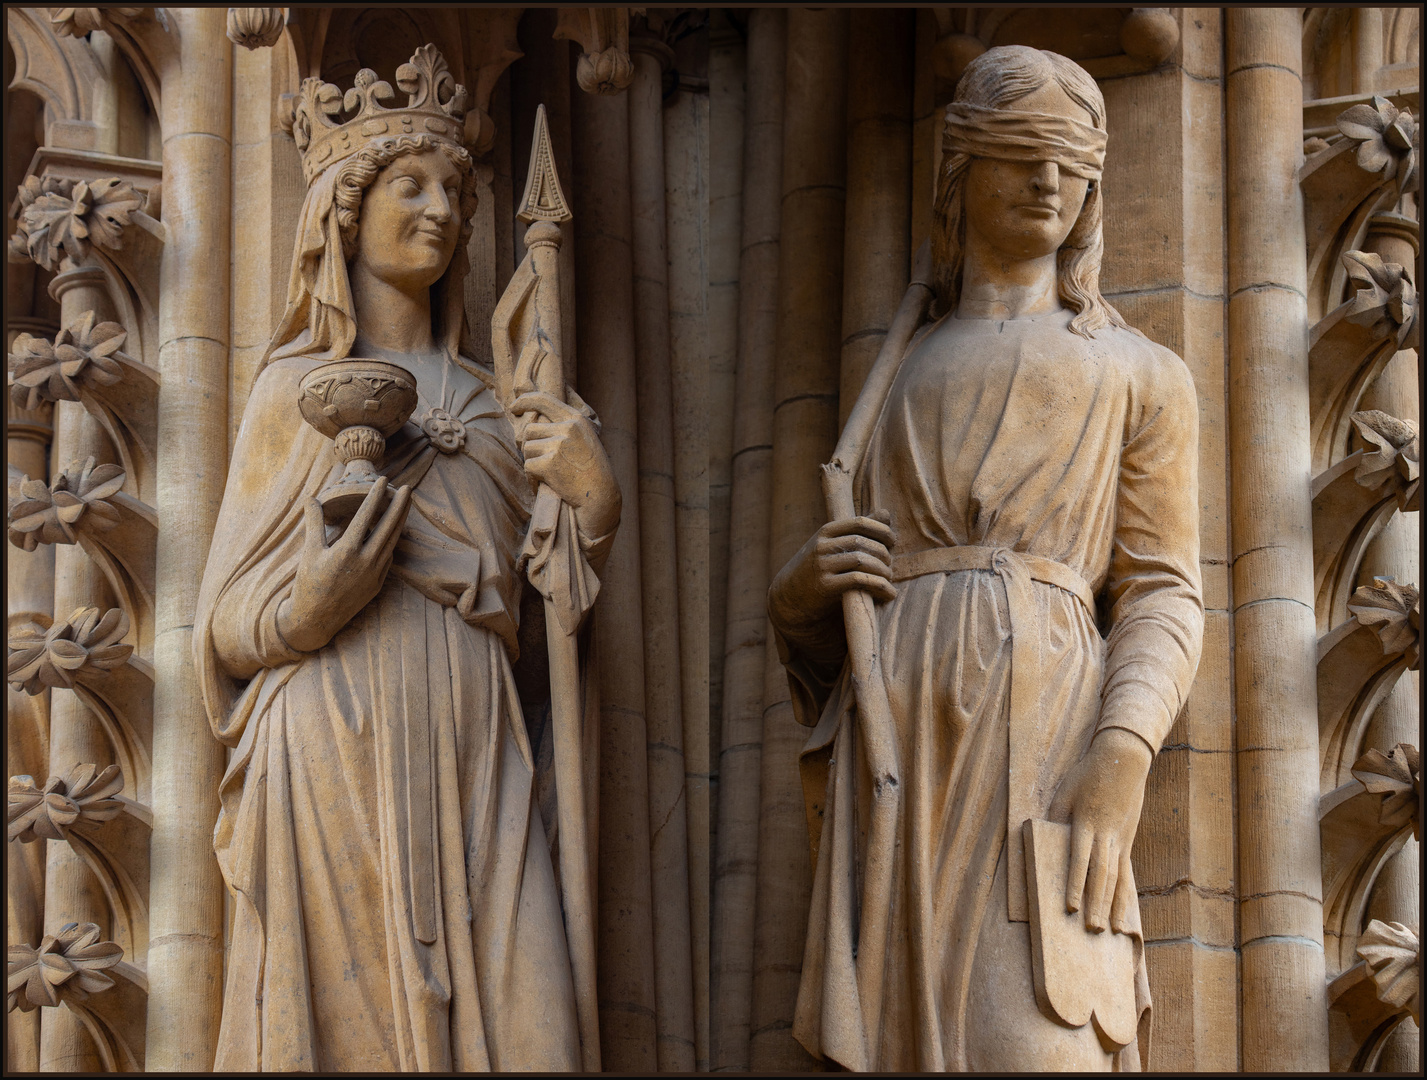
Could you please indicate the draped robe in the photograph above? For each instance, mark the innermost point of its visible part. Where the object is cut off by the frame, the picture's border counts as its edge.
(394, 902)
(1022, 436)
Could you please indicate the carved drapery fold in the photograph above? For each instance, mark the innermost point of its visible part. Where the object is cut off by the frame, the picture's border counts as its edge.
(1359, 662)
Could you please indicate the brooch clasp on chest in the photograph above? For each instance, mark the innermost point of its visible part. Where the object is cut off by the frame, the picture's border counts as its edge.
(446, 433)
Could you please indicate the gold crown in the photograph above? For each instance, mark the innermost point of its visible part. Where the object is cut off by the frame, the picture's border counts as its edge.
(329, 126)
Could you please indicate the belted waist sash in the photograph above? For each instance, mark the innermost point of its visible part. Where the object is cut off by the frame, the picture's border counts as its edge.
(951, 559)
(1017, 569)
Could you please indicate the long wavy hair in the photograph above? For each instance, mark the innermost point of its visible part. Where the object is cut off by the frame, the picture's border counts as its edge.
(993, 80)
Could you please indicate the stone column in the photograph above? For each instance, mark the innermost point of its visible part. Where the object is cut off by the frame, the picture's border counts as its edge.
(727, 70)
(268, 190)
(1284, 1007)
(686, 186)
(804, 435)
(1164, 237)
(658, 554)
(745, 630)
(926, 129)
(604, 299)
(1367, 48)
(186, 891)
(1395, 552)
(29, 585)
(72, 893)
(879, 188)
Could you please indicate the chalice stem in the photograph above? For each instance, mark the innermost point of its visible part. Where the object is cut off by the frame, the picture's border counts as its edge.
(874, 711)
(543, 207)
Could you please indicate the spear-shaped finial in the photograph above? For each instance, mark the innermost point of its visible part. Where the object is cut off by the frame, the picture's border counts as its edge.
(543, 200)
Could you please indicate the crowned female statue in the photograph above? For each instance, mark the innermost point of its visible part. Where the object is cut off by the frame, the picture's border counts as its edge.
(394, 901)
(1026, 528)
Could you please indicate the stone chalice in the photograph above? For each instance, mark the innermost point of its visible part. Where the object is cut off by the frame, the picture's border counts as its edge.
(356, 403)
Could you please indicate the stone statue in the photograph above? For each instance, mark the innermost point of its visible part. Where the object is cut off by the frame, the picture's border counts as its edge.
(395, 906)
(992, 639)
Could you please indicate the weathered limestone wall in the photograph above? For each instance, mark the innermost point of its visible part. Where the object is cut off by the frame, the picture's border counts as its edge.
(1164, 271)
(748, 198)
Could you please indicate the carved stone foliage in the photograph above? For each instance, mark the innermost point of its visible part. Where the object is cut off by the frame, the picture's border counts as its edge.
(1357, 172)
(108, 831)
(86, 654)
(1379, 992)
(1352, 501)
(603, 33)
(78, 21)
(1364, 821)
(1386, 140)
(255, 28)
(1359, 662)
(1350, 346)
(47, 813)
(52, 656)
(85, 363)
(1397, 777)
(81, 355)
(85, 505)
(91, 979)
(59, 219)
(68, 964)
(41, 513)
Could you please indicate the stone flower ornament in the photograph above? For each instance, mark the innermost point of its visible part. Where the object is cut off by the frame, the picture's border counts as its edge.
(1395, 612)
(47, 813)
(48, 514)
(1393, 451)
(1397, 777)
(1387, 302)
(52, 656)
(1394, 957)
(82, 354)
(59, 218)
(1387, 139)
(69, 964)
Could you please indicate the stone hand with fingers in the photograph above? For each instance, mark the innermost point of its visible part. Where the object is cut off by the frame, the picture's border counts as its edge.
(562, 450)
(335, 581)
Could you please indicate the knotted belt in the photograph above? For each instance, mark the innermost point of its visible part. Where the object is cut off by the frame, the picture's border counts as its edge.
(1017, 570)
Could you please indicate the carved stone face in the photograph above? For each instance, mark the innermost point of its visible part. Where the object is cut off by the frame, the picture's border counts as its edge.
(410, 221)
(1026, 209)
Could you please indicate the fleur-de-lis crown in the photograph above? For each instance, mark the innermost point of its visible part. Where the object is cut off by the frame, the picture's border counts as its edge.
(329, 125)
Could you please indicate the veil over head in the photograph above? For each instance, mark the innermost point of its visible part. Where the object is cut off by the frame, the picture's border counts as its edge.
(320, 321)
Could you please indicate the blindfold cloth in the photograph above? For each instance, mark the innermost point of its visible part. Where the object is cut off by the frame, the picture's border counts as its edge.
(1009, 135)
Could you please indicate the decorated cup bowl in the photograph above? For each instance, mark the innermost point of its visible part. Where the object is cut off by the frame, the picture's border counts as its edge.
(357, 393)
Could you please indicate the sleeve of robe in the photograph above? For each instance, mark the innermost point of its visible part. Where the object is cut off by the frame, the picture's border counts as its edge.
(1157, 611)
(278, 462)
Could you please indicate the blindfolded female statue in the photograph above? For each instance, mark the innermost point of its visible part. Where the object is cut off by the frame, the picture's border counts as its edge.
(1030, 480)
